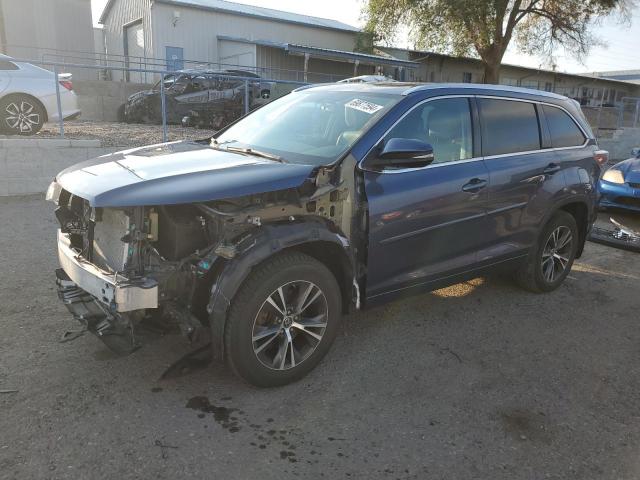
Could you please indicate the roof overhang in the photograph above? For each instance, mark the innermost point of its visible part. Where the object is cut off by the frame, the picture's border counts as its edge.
(326, 53)
(258, 12)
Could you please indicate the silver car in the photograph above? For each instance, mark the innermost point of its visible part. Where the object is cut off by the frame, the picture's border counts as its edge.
(28, 97)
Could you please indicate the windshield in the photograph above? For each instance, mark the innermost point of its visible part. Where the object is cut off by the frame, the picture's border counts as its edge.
(312, 127)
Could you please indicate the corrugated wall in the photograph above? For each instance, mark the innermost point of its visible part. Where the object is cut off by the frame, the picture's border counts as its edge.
(197, 31)
(53, 31)
(124, 12)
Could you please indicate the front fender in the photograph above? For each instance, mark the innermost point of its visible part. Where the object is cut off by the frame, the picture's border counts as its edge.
(253, 250)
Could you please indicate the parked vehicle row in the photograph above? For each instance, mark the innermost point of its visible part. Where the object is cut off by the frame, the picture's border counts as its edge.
(330, 199)
(28, 97)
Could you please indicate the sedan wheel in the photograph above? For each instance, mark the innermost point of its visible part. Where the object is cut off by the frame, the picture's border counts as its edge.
(21, 115)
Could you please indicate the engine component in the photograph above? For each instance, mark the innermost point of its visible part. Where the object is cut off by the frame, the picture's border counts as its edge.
(180, 232)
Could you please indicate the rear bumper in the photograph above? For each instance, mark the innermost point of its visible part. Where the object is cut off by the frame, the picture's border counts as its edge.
(118, 293)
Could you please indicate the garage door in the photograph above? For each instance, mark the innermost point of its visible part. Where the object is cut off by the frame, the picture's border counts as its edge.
(134, 49)
(236, 53)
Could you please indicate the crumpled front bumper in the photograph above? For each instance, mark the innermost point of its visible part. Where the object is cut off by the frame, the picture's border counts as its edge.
(116, 292)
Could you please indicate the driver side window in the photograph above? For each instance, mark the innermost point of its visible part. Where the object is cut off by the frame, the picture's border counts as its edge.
(444, 123)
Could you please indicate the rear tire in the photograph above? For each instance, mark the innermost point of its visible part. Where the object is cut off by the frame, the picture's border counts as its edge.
(21, 115)
(550, 260)
(283, 320)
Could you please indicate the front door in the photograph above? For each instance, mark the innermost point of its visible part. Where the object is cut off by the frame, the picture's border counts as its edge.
(426, 223)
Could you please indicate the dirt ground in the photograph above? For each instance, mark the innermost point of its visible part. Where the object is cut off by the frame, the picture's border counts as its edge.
(477, 381)
(114, 134)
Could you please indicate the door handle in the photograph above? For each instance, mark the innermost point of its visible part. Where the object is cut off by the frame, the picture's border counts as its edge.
(551, 169)
(474, 185)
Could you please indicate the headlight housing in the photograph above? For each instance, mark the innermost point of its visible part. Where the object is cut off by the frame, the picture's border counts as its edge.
(613, 176)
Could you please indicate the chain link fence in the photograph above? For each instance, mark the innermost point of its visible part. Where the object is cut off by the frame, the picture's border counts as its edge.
(196, 98)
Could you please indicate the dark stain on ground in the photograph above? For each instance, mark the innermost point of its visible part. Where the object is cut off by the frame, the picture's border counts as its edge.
(284, 454)
(156, 389)
(222, 415)
(104, 355)
(191, 362)
(526, 426)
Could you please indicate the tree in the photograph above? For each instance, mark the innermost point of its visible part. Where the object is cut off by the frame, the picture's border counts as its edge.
(486, 27)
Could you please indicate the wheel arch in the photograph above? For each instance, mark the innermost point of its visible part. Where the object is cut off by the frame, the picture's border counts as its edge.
(311, 238)
(579, 209)
(28, 95)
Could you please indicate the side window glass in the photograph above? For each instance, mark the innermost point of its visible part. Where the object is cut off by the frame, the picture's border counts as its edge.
(199, 83)
(6, 65)
(564, 131)
(508, 126)
(444, 123)
(179, 86)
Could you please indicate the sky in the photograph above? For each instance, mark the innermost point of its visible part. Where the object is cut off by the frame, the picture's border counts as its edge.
(622, 50)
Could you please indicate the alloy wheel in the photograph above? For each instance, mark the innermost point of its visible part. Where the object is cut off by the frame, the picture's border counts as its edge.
(290, 325)
(21, 116)
(556, 253)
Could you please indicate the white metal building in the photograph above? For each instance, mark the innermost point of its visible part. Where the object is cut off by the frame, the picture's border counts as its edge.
(176, 34)
(47, 30)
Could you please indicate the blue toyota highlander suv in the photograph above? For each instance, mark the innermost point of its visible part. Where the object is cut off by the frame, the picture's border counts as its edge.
(332, 198)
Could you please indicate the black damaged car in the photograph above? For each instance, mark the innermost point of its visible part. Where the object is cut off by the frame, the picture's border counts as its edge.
(201, 98)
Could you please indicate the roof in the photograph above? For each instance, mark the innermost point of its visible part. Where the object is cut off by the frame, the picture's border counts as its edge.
(327, 53)
(407, 88)
(251, 11)
(632, 76)
(425, 54)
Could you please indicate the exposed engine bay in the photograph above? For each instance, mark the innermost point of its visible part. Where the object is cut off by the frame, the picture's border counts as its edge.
(180, 252)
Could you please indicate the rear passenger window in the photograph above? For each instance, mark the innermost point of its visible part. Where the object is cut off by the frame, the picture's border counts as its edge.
(564, 131)
(508, 126)
(445, 124)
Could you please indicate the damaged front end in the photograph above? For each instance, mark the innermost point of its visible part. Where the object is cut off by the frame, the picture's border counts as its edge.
(127, 271)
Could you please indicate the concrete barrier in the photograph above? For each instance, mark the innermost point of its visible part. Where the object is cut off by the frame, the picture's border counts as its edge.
(100, 99)
(27, 165)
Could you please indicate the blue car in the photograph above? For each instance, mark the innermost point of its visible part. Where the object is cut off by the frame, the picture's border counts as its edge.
(620, 185)
(330, 199)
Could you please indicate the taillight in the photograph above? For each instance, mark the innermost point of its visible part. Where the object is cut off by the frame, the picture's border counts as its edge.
(601, 157)
(68, 84)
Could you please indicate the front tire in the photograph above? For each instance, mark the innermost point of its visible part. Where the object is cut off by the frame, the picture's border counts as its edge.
(551, 259)
(283, 320)
(21, 115)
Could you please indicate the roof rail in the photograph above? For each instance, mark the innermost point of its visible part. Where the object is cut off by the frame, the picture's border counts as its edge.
(483, 86)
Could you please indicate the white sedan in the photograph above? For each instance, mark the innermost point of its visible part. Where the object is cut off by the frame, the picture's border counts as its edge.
(28, 97)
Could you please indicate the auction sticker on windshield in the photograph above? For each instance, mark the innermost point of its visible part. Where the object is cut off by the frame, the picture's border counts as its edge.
(364, 106)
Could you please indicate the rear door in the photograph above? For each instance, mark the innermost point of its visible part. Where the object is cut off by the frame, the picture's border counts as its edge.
(573, 151)
(523, 174)
(426, 222)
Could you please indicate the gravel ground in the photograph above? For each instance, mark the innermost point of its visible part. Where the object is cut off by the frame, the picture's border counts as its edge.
(115, 134)
(477, 381)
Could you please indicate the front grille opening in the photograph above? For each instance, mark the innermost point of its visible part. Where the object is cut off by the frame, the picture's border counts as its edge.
(628, 201)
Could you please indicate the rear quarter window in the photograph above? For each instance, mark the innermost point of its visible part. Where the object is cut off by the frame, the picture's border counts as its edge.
(563, 129)
(508, 126)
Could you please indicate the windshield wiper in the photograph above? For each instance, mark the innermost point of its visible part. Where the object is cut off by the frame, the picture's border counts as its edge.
(255, 153)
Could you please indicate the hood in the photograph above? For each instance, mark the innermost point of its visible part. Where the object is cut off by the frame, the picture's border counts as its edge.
(140, 94)
(630, 168)
(174, 173)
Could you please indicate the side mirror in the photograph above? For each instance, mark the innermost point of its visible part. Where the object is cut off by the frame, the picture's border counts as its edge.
(635, 152)
(403, 153)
